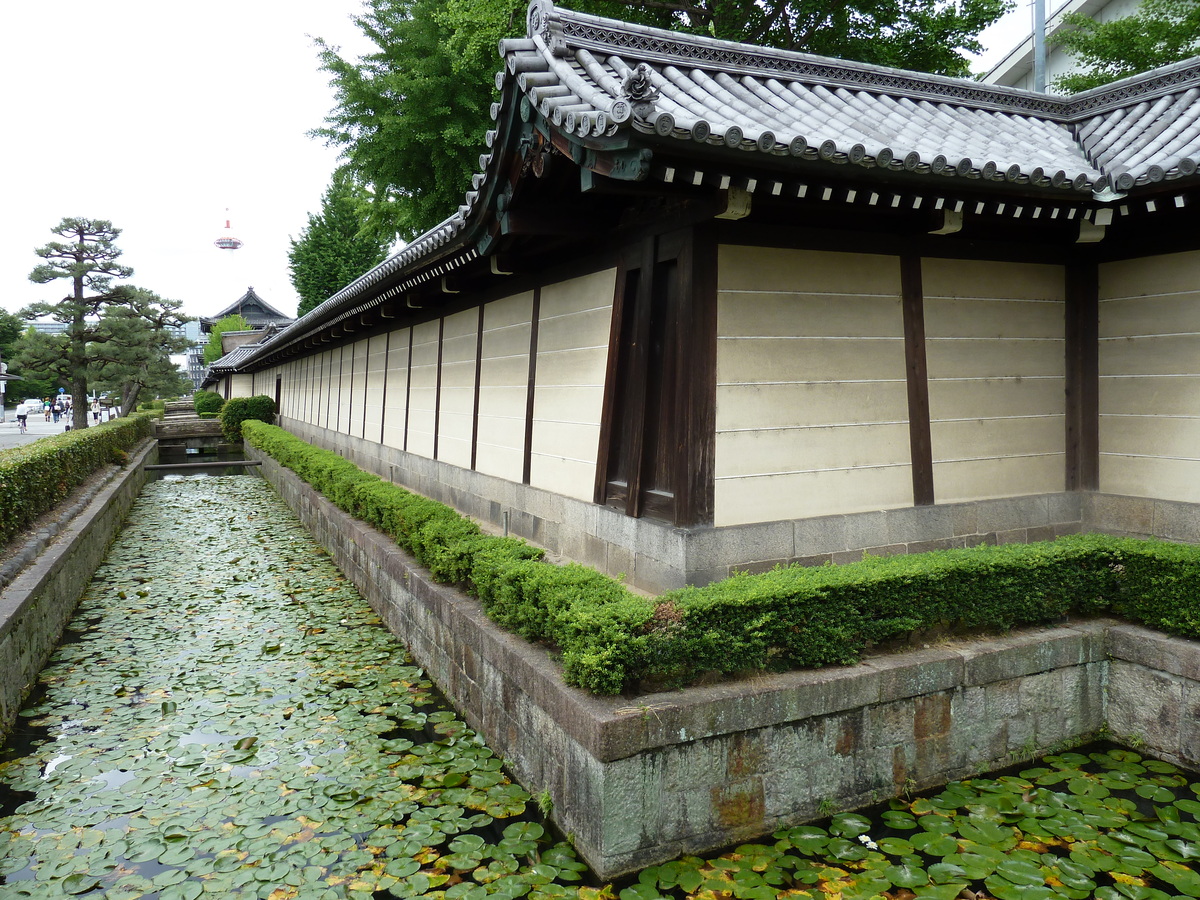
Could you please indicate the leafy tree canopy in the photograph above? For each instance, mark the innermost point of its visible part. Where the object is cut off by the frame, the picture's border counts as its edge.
(1159, 33)
(331, 251)
(410, 115)
(86, 258)
(212, 350)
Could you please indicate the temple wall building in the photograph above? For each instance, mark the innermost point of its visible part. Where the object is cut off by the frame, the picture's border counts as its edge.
(710, 307)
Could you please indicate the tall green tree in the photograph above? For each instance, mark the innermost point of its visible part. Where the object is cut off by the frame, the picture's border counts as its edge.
(212, 350)
(87, 259)
(408, 123)
(136, 359)
(1159, 33)
(410, 115)
(331, 250)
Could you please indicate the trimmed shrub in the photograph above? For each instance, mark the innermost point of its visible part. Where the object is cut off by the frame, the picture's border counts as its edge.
(35, 477)
(782, 619)
(237, 410)
(207, 403)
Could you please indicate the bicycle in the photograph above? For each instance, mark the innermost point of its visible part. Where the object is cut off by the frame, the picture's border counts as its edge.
(21, 426)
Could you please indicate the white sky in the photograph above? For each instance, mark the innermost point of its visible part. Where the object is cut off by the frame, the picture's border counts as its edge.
(161, 115)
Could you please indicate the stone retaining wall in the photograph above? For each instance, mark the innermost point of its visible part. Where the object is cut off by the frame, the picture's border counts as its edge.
(37, 604)
(639, 780)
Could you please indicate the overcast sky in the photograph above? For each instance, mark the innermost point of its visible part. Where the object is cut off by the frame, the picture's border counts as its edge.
(159, 116)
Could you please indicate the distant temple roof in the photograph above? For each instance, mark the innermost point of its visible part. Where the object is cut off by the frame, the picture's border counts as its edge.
(251, 307)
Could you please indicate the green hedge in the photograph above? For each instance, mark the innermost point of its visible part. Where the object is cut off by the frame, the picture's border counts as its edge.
(242, 409)
(36, 476)
(207, 403)
(787, 618)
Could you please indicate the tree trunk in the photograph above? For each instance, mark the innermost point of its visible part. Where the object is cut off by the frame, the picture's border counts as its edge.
(79, 404)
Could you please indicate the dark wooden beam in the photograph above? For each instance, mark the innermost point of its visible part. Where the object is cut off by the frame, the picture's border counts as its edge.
(917, 376)
(696, 428)
(1083, 377)
(475, 400)
(527, 462)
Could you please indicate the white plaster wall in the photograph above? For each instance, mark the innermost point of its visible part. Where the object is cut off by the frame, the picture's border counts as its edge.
(460, 340)
(504, 386)
(241, 386)
(812, 409)
(573, 328)
(375, 371)
(344, 369)
(1150, 377)
(397, 388)
(995, 351)
(357, 360)
(423, 389)
(327, 390)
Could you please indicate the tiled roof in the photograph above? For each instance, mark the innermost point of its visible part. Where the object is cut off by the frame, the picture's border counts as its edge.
(594, 76)
(607, 83)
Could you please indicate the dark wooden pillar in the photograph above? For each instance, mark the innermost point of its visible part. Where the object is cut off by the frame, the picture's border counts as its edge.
(1083, 377)
(917, 375)
(658, 426)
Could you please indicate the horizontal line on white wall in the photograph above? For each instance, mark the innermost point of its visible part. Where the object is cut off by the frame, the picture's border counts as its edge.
(999, 339)
(1135, 297)
(1013, 378)
(1150, 456)
(995, 456)
(995, 299)
(808, 427)
(1058, 415)
(814, 471)
(1145, 416)
(834, 294)
(1155, 375)
(575, 312)
(1161, 334)
(588, 462)
(545, 421)
(809, 337)
(829, 381)
(543, 352)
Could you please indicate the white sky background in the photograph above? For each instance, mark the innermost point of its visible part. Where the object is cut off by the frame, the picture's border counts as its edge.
(160, 115)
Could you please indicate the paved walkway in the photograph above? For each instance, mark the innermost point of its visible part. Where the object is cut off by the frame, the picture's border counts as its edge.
(38, 428)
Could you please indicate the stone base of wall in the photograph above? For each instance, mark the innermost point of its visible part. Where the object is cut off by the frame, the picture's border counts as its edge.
(1141, 517)
(641, 779)
(655, 556)
(37, 604)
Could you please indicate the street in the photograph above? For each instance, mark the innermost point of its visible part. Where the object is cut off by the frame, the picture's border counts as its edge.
(38, 428)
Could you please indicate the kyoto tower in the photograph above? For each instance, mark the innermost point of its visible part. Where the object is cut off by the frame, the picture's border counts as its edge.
(227, 241)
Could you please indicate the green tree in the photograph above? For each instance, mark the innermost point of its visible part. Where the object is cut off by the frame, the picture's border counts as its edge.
(212, 350)
(87, 259)
(1159, 33)
(408, 123)
(410, 115)
(330, 252)
(137, 357)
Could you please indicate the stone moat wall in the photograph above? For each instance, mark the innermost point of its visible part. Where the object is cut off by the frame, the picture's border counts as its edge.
(638, 780)
(37, 603)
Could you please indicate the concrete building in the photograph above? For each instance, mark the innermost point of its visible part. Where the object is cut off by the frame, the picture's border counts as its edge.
(1016, 68)
(710, 306)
